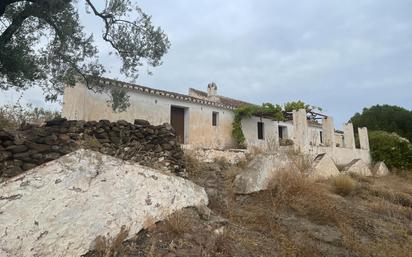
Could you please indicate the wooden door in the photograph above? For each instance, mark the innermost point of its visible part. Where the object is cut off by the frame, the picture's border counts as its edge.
(177, 120)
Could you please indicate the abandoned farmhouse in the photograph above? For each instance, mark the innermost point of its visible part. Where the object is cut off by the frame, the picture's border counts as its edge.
(204, 120)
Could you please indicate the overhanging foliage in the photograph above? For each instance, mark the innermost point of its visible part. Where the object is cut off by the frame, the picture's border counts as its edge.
(266, 110)
(43, 43)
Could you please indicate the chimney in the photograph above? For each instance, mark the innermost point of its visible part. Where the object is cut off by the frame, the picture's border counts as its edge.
(211, 89)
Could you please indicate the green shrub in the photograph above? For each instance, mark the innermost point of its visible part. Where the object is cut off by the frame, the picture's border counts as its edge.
(266, 110)
(387, 118)
(394, 150)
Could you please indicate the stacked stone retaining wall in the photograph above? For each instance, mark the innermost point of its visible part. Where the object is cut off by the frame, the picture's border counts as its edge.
(33, 145)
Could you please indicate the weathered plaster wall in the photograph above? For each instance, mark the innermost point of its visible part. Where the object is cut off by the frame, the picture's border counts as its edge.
(86, 105)
(300, 127)
(314, 135)
(349, 136)
(339, 139)
(250, 130)
(82, 104)
(289, 128)
(341, 156)
(363, 138)
(328, 128)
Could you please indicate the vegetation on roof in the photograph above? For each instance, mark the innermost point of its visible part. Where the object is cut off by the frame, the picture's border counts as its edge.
(266, 110)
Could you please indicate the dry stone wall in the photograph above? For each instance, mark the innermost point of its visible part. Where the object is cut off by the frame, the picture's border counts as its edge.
(32, 145)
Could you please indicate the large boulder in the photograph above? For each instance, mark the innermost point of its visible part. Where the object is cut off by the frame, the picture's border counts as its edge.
(323, 167)
(261, 171)
(59, 208)
(358, 167)
(380, 169)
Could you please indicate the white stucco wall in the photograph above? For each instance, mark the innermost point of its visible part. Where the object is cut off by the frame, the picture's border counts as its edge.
(250, 131)
(341, 156)
(289, 128)
(83, 104)
(339, 139)
(314, 135)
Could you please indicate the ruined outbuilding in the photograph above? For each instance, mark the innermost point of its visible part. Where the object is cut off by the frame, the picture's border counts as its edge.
(204, 120)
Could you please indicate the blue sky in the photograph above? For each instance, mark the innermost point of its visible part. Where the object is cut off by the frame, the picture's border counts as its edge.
(340, 55)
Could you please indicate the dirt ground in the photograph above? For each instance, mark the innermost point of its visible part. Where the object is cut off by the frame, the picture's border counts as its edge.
(345, 216)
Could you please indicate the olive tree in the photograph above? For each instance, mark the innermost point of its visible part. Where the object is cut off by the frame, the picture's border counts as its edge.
(42, 42)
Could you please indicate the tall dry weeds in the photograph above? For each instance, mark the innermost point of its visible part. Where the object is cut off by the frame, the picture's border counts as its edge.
(344, 184)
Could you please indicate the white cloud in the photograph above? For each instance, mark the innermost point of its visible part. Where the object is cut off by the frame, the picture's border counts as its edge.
(341, 55)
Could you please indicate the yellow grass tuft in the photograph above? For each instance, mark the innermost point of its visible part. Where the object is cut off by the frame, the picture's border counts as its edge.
(344, 184)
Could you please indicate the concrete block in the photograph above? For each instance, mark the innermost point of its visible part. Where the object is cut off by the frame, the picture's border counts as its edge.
(261, 171)
(323, 167)
(380, 169)
(358, 167)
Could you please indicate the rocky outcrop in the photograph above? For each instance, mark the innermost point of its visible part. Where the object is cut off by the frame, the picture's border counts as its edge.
(358, 167)
(323, 167)
(261, 171)
(154, 146)
(380, 169)
(59, 208)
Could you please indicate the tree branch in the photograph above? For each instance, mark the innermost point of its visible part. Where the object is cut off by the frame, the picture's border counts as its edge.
(105, 18)
(16, 24)
(5, 3)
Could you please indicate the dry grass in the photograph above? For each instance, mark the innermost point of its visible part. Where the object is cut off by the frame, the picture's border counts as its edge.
(178, 223)
(389, 209)
(221, 161)
(254, 150)
(107, 247)
(344, 185)
(391, 195)
(301, 161)
(192, 164)
(91, 143)
(295, 217)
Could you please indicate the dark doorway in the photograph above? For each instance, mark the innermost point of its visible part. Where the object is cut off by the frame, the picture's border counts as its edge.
(260, 127)
(280, 131)
(177, 120)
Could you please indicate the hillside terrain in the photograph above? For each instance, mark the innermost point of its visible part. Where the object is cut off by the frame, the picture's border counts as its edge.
(344, 216)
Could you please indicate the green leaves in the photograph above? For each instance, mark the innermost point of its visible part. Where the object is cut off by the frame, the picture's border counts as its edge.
(42, 43)
(394, 150)
(266, 110)
(388, 118)
(119, 100)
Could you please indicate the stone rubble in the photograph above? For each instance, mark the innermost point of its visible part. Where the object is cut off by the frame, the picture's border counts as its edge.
(261, 171)
(154, 146)
(323, 167)
(358, 167)
(380, 169)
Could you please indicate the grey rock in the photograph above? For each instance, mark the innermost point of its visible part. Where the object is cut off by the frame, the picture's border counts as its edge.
(17, 148)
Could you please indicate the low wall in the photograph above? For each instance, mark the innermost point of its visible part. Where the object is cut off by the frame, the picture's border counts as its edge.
(341, 156)
(153, 146)
(232, 156)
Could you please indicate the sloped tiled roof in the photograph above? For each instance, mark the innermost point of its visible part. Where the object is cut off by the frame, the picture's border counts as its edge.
(224, 102)
(222, 99)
